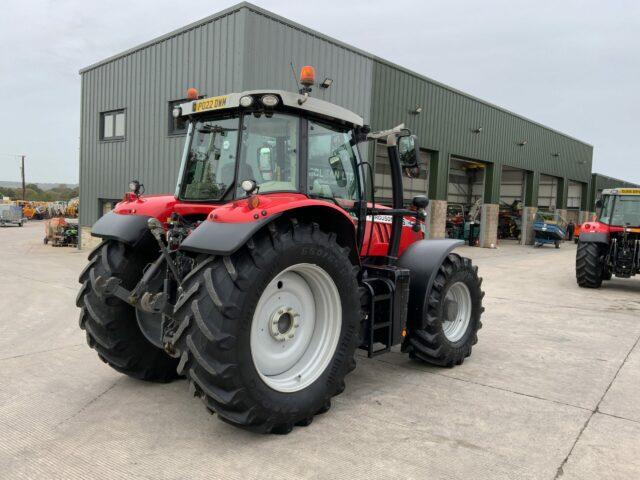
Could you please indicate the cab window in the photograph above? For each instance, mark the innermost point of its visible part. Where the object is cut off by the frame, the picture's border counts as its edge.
(607, 209)
(212, 158)
(331, 164)
(626, 210)
(269, 153)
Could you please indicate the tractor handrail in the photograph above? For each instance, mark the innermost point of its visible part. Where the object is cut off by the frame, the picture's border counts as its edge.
(385, 133)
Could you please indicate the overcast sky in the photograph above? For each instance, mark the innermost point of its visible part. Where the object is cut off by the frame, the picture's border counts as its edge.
(571, 65)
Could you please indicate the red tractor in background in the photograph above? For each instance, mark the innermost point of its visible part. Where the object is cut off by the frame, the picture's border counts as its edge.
(270, 264)
(610, 245)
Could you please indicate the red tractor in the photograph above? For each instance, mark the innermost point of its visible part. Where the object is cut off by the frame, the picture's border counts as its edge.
(610, 245)
(271, 264)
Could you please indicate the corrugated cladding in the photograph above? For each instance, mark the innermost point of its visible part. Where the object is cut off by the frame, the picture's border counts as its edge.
(602, 181)
(143, 81)
(449, 117)
(272, 45)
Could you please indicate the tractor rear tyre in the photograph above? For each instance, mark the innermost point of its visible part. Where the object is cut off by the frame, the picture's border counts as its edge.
(589, 265)
(454, 308)
(110, 323)
(267, 334)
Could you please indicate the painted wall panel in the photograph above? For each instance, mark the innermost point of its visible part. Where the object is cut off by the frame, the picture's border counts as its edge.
(271, 47)
(449, 117)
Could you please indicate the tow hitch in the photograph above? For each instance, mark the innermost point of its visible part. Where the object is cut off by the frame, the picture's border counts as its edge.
(170, 264)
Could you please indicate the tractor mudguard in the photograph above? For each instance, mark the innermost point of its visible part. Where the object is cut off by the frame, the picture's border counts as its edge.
(594, 237)
(129, 229)
(220, 238)
(423, 259)
(232, 229)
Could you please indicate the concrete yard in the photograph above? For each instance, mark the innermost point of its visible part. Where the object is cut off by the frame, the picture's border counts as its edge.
(552, 390)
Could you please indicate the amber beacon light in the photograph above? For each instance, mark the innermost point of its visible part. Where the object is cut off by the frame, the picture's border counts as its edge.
(307, 76)
(192, 93)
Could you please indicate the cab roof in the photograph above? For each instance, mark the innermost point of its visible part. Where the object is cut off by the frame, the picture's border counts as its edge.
(621, 191)
(288, 99)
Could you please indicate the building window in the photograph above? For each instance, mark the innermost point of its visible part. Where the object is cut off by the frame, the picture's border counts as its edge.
(106, 205)
(112, 125)
(177, 126)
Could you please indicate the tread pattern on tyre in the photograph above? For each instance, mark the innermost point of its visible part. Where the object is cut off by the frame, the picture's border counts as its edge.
(208, 347)
(430, 344)
(110, 324)
(589, 268)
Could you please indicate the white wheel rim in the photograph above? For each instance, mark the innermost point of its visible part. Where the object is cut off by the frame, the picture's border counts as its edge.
(457, 311)
(296, 327)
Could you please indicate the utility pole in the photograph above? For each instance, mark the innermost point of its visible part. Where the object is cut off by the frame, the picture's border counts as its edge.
(23, 185)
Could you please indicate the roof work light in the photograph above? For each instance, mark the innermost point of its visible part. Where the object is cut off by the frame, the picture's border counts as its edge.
(269, 100)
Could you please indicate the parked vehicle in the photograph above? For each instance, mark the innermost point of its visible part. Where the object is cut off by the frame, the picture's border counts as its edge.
(510, 220)
(576, 232)
(60, 233)
(10, 215)
(610, 245)
(28, 211)
(274, 266)
(73, 208)
(549, 228)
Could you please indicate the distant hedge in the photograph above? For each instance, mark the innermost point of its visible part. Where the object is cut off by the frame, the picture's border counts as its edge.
(34, 193)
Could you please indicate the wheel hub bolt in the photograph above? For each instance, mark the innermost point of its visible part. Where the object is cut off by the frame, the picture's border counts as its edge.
(283, 324)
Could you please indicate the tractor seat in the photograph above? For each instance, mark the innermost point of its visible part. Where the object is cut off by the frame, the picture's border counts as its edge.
(246, 173)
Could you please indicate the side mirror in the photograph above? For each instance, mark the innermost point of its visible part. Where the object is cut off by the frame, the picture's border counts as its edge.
(420, 202)
(599, 203)
(338, 170)
(408, 151)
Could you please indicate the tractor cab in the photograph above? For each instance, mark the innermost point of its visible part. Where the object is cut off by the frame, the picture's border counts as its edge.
(264, 142)
(273, 147)
(620, 207)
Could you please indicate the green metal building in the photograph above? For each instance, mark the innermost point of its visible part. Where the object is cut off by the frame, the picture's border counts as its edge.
(127, 130)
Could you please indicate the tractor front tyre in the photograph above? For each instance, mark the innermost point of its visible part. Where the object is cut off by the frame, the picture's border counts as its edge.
(268, 334)
(110, 324)
(589, 265)
(454, 308)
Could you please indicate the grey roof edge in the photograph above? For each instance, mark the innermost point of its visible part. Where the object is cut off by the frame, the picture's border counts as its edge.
(166, 36)
(596, 174)
(259, 10)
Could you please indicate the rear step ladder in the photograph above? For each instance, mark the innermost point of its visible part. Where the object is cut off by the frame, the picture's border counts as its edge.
(382, 292)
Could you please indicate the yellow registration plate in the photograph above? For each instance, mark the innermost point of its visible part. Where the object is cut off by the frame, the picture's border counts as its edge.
(212, 103)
